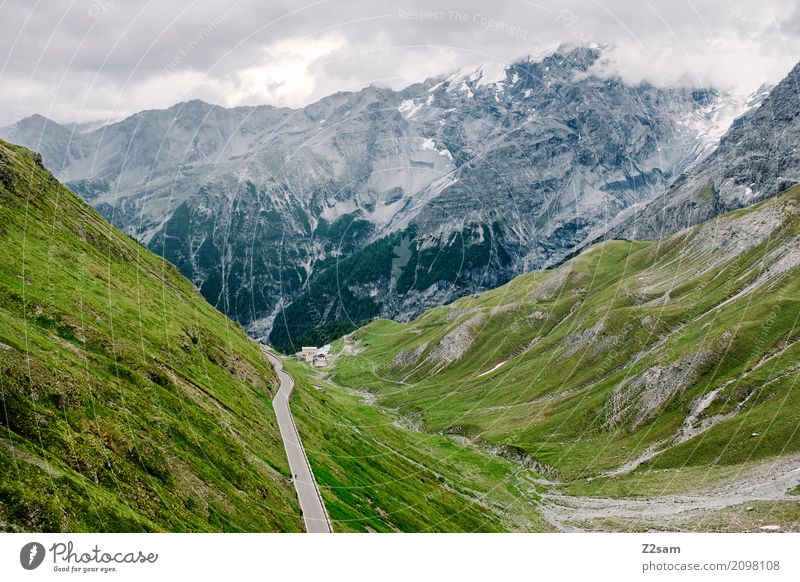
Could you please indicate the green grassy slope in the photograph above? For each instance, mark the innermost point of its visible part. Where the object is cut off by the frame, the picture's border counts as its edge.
(376, 474)
(686, 347)
(127, 402)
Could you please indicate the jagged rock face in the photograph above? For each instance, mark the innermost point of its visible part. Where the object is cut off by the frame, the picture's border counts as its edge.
(444, 188)
(757, 158)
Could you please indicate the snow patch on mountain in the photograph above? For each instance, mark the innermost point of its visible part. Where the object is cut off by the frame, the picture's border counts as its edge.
(709, 123)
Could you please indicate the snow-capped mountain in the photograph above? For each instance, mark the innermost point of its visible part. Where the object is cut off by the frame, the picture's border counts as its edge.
(756, 158)
(383, 202)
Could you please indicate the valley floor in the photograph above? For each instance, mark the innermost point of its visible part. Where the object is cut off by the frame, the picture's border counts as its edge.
(758, 498)
(377, 473)
(755, 497)
(752, 497)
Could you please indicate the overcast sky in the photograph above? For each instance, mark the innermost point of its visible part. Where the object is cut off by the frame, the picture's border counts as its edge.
(103, 59)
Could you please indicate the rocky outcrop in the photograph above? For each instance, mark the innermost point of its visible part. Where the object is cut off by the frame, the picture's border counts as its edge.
(410, 357)
(641, 399)
(456, 343)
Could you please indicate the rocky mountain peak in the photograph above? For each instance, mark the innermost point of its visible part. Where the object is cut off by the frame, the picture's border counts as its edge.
(485, 174)
(755, 159)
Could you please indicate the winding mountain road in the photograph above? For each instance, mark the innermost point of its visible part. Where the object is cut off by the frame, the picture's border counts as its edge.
(314, 514)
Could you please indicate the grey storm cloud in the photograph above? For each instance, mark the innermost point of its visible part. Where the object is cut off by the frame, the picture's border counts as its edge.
(96, 60)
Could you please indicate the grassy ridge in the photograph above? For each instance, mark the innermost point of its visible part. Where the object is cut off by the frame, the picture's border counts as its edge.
(128, 403)
(587, 366)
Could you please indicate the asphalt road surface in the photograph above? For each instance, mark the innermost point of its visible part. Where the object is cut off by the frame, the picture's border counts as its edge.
(314, 514)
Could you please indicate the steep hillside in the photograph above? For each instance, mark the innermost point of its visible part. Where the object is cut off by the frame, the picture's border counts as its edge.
(632, 360)
(259, 205)
(128, 402)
